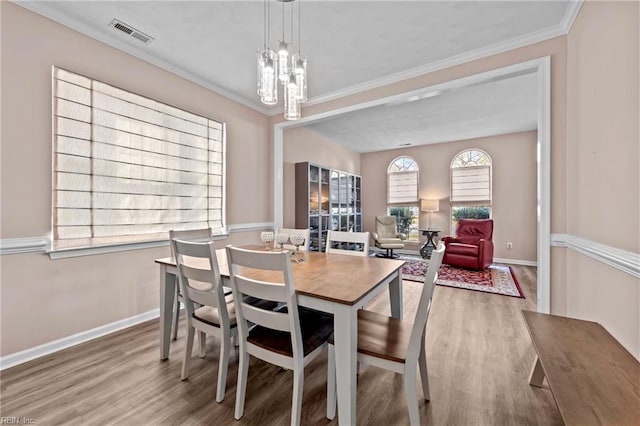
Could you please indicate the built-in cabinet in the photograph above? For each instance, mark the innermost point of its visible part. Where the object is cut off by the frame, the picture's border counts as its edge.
(327, 199)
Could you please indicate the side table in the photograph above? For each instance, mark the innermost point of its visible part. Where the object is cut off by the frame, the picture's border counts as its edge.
(429, 245)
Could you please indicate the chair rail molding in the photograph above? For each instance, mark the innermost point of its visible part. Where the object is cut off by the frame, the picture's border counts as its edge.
(24, 245)
(43, 244)
(245, 227)
(623, 260)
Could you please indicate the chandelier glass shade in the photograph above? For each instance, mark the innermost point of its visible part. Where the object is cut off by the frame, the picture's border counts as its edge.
(291, 102)
(283, 66)
(300, 71)
(267, 77)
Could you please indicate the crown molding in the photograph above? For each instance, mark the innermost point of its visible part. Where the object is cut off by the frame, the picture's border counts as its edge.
(623, 260)
(48, 11)
(501, 47)
(571, 14)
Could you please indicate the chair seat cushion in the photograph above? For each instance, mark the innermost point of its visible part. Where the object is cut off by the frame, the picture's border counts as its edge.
(316, 328)
(462, 249)
(211, 316)
(390, 241)
(382, 336)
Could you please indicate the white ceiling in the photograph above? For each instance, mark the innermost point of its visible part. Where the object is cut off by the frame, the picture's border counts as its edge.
(492, 108)
(351, 46)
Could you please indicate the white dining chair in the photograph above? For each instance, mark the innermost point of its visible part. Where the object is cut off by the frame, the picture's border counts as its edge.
(289, 337)
(394, 345)
(201, 283)
(343, 243)
(202, 234)
(290, 231)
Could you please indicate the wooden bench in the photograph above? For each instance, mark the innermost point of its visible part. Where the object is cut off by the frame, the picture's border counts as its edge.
(593, 379)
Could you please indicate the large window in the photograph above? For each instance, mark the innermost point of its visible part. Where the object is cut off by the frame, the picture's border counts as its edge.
(402, 195)
(470, 186)
(127, 168)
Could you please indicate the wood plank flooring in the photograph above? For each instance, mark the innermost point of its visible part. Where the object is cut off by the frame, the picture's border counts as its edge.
(478, 353)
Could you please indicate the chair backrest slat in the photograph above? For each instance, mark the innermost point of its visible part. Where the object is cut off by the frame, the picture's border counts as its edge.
(196, 274)
(202, 234)
(361, 238)
(248, 259)
(290, 231)
(262, 289)
(424, 305)
(271, 319)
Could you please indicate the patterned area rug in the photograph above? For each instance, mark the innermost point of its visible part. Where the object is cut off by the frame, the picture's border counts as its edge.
(497, 279)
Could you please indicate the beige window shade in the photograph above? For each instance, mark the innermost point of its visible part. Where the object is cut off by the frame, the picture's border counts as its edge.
(471, 185)
(128, 168)
(402, 187)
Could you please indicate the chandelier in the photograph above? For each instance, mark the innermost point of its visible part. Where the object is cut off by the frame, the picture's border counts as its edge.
(284, 67)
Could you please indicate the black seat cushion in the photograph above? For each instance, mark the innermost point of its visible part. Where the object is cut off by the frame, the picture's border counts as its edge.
(316, 328)
(211, 316)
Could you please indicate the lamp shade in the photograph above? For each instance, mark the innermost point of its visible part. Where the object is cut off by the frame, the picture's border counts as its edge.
(429, 205)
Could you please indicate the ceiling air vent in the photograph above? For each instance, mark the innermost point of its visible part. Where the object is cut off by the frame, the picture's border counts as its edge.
(129, 30)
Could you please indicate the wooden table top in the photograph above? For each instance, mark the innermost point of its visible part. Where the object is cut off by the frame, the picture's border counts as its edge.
(335, 277)
(593, 378)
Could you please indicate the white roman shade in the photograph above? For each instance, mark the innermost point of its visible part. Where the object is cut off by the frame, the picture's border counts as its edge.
(471, 185)
(128, 168)
(402, 187)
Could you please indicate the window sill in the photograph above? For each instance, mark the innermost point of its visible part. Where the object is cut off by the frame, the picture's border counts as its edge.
(113, 248)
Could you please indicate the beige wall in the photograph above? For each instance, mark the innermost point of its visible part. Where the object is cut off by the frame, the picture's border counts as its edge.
(603, 160)
(300, 145)
(42, 299)
(514, 187)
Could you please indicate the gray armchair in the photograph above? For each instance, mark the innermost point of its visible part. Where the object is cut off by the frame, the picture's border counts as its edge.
(387, 236)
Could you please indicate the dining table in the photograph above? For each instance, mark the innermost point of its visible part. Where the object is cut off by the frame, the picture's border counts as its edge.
(338, 284)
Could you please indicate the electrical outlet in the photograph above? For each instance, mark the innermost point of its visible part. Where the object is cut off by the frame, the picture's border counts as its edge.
(509, 245)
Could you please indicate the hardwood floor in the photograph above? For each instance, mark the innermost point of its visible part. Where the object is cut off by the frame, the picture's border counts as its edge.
(478, 353)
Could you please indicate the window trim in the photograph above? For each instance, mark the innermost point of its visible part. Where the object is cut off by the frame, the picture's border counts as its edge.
(417, 175)
(145, 240)
(470, 203)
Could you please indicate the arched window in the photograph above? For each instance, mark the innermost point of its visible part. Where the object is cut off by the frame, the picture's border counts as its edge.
(402, 181)
(402, 195)
(471, 186)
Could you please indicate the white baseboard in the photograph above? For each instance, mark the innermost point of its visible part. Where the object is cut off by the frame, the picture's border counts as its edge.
(515, 261)
(14, 359)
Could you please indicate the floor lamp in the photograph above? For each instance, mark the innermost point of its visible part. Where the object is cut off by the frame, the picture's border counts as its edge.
(429, 206)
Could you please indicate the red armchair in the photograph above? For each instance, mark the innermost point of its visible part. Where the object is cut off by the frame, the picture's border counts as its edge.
(472, 247)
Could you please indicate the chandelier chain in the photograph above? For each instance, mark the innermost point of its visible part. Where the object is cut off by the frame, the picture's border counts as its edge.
(299, 26)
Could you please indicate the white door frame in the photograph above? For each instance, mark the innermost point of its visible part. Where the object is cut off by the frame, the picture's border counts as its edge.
(542, 67)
